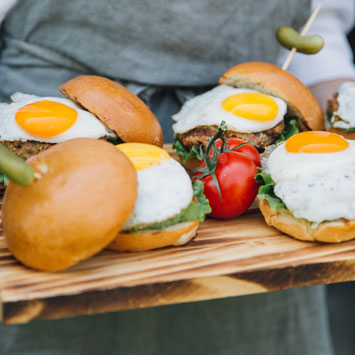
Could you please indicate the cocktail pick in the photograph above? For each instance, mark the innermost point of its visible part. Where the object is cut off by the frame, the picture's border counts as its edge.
(291, 39)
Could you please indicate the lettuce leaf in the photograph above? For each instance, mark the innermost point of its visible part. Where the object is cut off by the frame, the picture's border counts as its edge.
(196, 210)
(266, 191)
(184, 153)
(289, 130)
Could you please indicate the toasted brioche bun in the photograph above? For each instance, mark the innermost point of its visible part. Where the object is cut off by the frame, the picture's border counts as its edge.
(328, 232)
(345, 134)
(122, 111)
(178, 234)
(84, 192)
(272, 80)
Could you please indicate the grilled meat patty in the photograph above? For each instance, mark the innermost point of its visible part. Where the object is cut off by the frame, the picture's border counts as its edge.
(26, 149)
(201, 135)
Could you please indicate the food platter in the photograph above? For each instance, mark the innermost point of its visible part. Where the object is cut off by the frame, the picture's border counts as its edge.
(227, 258)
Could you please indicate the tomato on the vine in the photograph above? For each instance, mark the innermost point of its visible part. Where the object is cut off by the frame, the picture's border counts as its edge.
(228, 175)
(241, 146)
(235, 175)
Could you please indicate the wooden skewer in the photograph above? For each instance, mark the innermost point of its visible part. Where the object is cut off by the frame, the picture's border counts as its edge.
(304, 31)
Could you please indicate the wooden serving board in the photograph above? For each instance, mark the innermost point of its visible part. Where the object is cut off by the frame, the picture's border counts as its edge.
(227, 258)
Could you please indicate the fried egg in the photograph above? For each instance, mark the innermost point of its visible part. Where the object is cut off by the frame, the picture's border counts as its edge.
(243, 110)
(164, 187)
(314, 174)
(47, 119)
(344, 117)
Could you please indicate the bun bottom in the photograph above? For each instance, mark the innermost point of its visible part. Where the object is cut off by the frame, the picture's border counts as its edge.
(345, 134)
(178, 234)
(327, 232)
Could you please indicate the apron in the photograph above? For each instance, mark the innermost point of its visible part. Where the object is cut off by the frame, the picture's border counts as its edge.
(165, 52)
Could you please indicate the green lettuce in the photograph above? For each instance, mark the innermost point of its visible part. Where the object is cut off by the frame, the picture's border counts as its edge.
(196, 210)
(289, 130)
(328, 118)
(266, 191)
(184, 153)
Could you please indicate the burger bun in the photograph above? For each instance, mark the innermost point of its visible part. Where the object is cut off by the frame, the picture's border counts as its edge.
(272, 80)
(175, 235)
(286, 222)
(84, 191)
(117, 107)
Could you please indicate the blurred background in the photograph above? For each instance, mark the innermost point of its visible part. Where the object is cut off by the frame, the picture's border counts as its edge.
(341, 299)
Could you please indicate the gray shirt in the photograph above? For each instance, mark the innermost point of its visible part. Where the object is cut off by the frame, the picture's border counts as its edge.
(163, 51)
(172, 43)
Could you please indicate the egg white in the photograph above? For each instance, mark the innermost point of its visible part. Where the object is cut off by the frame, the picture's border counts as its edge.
(346, 109)
(207, 110)
(315, 186)
(164, 190)
(86, 125)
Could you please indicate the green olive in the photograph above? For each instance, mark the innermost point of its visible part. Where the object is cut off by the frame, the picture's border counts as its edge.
(15, 168)
(289, 38)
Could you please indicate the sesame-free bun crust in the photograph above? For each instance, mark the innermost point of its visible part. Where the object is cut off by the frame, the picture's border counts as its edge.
(84, 192)
(345, 134)
(328, 232)
(178, 234)
(272, 80)
(121, 110)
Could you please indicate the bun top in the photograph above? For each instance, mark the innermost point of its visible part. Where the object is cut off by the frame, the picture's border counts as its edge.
(121, 110)
(272, 80)
(84, 191)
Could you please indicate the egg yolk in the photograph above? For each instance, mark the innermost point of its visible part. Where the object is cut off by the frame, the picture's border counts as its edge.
(316, 142)
(252, 106)
(143, 155)
(45, 118)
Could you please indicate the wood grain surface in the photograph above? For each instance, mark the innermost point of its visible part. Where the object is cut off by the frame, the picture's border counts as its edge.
(227, 258)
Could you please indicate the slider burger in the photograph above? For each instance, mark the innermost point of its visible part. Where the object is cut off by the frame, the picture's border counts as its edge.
(340, 115)
(95, 107)
(168, 209)
(260, 102)
(84, 191)
(308, 187)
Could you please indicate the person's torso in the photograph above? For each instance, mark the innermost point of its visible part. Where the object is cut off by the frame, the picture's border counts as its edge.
(179, 43)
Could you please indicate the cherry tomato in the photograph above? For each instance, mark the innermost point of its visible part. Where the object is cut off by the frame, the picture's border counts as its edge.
(235, 174)
(249, 150)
